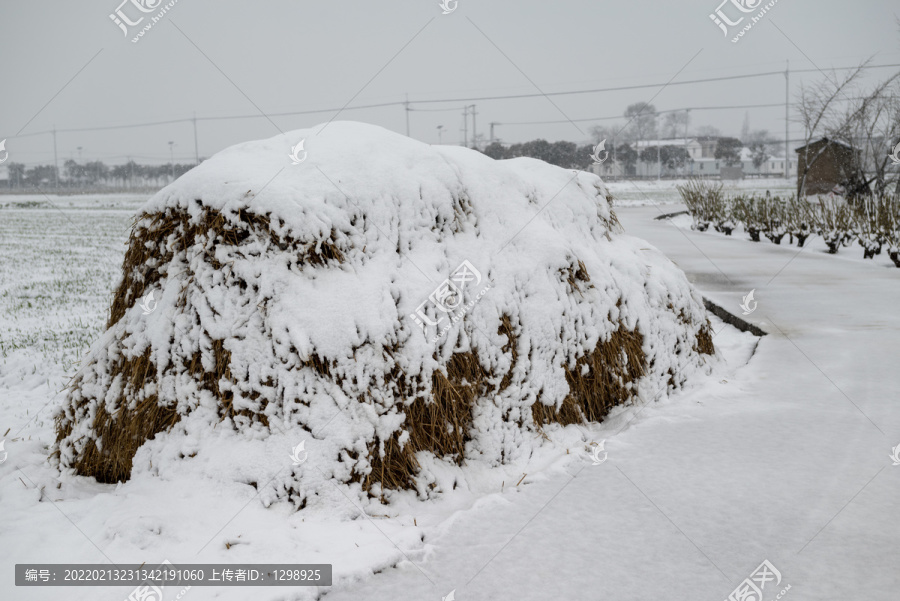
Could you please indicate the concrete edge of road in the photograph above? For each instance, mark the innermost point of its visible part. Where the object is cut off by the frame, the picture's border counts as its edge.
(732, 319)
(669, 215)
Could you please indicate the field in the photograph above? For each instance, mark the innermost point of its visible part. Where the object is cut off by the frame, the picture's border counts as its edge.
(782, 454)
(650, 192)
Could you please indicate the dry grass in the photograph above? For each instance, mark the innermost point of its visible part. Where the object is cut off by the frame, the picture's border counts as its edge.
(576, 277)
(704, 341)
(148, 251)
(599, 381)
(148, 254)
(127, 429)
(440, 423)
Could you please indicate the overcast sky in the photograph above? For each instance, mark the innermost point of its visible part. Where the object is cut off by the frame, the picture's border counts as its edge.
(67, 64)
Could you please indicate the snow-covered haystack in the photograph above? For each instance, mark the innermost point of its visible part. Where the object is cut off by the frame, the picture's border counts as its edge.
(290, 299)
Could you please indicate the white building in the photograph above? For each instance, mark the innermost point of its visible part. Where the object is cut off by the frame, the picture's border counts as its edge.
(702, 162)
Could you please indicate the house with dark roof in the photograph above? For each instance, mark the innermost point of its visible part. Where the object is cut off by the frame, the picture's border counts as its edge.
(826, 165)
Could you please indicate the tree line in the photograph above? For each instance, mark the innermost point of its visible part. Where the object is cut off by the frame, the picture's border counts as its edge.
(94, 174)
(644, 123)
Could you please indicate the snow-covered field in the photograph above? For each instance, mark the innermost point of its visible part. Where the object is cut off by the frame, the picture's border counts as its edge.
(781, 454)
(629, 193)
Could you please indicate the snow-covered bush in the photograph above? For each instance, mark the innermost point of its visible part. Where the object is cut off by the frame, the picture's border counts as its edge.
(773, 215)
(893, 251)
(834, 222)
(798, 219)
(290, 299)
(746, 211)
(874, 220)
(706, 203)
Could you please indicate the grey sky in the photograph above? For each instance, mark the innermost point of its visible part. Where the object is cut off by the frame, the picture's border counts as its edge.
(295, 55)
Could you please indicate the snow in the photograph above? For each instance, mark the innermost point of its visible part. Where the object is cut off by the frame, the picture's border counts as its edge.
(775, 458)
(367, 188)
(628, 193)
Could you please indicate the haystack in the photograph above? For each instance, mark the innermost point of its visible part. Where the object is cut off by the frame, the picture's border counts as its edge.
(383, 301)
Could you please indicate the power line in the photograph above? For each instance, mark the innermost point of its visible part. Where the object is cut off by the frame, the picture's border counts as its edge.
(689, 108)
(642, 86)
(451, 109)
(442, 100)
(692, 108)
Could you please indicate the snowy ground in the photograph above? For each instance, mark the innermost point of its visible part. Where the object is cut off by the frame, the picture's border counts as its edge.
(629, 193)
(784, 458)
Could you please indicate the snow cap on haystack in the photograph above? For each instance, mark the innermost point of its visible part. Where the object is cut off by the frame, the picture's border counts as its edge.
(290, 304)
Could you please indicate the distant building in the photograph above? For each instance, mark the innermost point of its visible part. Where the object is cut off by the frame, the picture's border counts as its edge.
(824, 165)
(701, 162)
(693, 147)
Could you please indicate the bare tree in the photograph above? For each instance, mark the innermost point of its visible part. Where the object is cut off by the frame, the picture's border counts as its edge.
(674, 124)
(606, 132)
(707, 130)
(641, 122)
(761, 146)
(872, 124)
(867, 121)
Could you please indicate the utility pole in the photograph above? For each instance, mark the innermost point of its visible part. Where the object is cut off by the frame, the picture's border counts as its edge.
(171, 160)
(55, 158)
(687, 119)
(466, 126)
(493, 123)
(615, 159)
(440, 129)
(196, 147)
(406, 104)
(474, 130)
(658, 161)
(787, 137)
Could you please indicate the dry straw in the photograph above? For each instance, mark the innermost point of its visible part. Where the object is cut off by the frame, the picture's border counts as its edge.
(440, 423)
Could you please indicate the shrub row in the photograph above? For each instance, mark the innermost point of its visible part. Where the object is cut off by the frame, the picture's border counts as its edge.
(874, 222)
